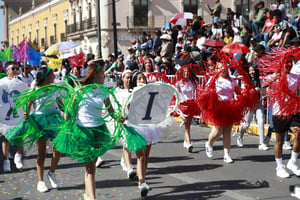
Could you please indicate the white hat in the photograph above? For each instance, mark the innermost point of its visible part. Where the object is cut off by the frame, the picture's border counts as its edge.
(126, 71)
(165, 37)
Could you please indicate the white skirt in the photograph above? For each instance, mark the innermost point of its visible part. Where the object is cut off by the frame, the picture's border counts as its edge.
(151, 134)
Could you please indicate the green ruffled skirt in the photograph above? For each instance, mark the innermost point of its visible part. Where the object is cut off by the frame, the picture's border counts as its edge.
(84, 144)
(36, 127)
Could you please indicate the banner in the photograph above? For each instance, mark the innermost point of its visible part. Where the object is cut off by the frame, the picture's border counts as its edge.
(54, 63)
(149, 104)
(77, 60)
(6, 55)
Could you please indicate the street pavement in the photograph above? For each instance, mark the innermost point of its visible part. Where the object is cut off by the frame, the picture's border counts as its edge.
(173, 173)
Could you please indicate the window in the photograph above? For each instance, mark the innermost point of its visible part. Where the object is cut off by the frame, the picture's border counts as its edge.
(55, 34)
(52, 39)
(190, 6)
(62, 37)
(43, 42)
(140, 15)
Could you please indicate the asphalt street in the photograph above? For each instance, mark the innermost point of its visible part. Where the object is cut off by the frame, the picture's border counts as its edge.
(173, 173)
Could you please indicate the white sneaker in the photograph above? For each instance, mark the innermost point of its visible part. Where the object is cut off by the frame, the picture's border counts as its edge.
(239, 142)
(6, 166)
(18, 161)
(208, 150)
(287, 146)
(52, 179)
(144, 189)
(227, 159)
(188, 146)
(292, 165)
(99, 162)
(184, 144)
(123, 165)
(131, 174)
(281, 172)
(263, 147)
(41, 186)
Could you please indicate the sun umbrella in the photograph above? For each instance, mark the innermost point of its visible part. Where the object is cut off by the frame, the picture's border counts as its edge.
(214, 43)
(236, 48)
(182, 19)
(59, 47)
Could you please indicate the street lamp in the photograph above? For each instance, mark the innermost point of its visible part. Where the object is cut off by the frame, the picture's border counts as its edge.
(99, 29)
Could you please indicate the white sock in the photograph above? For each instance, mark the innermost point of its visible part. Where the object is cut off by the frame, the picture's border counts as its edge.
(294, 156)
(278, 161)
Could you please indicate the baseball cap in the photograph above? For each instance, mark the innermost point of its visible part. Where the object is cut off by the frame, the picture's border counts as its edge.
(259, 47)
(253, 39)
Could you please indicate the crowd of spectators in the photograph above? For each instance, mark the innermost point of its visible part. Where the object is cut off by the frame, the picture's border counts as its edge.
(170, 48)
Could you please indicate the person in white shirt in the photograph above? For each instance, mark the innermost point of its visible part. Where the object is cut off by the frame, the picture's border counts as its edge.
(285, 110)
(26, 76)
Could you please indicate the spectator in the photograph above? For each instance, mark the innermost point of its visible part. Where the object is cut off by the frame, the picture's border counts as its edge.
(246, 36)
(288, 31)
(215, 11)
(259, 21)
(167, 46)
(274, 41)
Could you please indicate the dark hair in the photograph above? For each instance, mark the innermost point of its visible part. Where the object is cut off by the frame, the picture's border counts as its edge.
(133, 79)
(10, 63)
(41, 75)
(277, 13)
(90, 72)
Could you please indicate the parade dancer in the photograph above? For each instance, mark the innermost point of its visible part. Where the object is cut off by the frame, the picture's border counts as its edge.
(186, 83)
(258, 111)
(10, 86)
(41, 124)
(284, 97)
(147, 101)
(221, 108)
(84, 135)
(122, 94)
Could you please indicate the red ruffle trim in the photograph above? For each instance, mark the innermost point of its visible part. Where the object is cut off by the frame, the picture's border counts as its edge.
(225, 113)
(188, 107)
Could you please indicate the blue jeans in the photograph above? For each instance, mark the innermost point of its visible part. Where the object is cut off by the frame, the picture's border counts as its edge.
(255, 26)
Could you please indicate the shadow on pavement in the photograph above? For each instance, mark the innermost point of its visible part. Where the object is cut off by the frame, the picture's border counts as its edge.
(183, 169)
(216, 188)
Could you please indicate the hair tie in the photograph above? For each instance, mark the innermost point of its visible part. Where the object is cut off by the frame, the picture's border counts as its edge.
(46, 74)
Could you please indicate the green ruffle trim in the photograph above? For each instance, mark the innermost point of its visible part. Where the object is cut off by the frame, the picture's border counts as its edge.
(26, 96)
(84, 144)
(134, 140)
(2, 75)
(36, 127)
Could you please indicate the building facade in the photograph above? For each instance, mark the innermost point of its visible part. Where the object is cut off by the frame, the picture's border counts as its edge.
(47, 22)
(43, 23)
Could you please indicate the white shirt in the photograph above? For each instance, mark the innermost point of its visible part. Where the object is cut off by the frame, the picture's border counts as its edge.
(225, 88)
(186, 89)
(90, 109)
(39, 105)
(27, 80)
(293, 81)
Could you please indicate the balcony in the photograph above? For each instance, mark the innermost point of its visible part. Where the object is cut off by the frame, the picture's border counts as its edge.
(84, 26)
(152, 22)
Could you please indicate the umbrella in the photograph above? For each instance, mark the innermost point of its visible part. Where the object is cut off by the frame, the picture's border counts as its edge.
(55, 49)
(236, 48)
(182, 19)
(214, 43)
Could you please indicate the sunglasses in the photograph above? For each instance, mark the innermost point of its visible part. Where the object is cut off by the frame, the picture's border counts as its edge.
(14, 68)
(147, 62)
